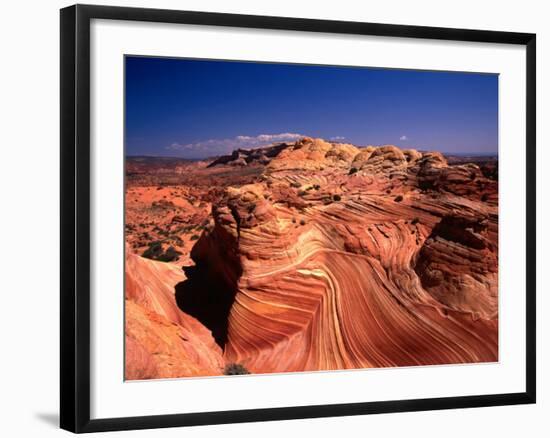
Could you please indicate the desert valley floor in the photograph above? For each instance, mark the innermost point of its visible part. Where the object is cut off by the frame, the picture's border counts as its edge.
(309, 256)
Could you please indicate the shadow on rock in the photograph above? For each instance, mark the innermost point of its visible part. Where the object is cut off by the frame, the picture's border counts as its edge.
(208, 298)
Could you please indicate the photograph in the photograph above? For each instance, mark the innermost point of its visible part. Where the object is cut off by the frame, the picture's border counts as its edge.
(301, 218)
(266, 219)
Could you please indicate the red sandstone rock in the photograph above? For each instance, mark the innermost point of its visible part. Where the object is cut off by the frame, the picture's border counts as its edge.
(311, 266)
(372, 279)
(161, 340)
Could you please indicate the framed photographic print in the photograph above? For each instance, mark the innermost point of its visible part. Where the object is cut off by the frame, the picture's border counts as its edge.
(252, 204)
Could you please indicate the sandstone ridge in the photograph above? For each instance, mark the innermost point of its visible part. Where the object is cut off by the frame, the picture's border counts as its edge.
(358, 257)
(329, 256)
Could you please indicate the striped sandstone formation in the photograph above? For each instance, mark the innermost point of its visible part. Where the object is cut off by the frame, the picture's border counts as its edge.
(391, 264)
(161, 341)
(335, 257)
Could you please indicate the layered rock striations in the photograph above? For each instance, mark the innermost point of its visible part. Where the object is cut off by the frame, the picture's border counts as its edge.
(347, 258)
(161, 341)
(330, 257)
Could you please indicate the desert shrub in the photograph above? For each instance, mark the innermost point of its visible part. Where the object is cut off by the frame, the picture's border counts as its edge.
(353, 170)
(415, 221)
(302, 193)
(317, 187)
(337, 197)
(302, 222)
(194, 237)
(293, 220)
(234, 369)
(170, 255)
(177, 239)
(398, 198)
(154, 250)
(295, 184)
(484, 197)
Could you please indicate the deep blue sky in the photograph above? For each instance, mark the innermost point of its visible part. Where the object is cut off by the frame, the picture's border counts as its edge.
(195, 109)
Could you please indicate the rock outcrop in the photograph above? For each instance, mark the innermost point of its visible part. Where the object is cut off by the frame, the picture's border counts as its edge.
(393, 264)
(161, 340)
(318, 256)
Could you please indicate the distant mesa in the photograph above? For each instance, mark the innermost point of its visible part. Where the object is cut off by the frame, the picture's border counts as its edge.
(243, 157)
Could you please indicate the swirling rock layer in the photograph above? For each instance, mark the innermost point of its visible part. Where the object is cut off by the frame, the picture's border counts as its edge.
(315, 256)
(161, 341)
(393, 263)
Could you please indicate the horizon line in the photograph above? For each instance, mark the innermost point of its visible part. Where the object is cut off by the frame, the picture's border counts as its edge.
(455, 153)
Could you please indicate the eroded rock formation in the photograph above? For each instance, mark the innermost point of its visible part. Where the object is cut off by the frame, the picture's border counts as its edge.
(328, 257)
(392, 264)
(161, 341)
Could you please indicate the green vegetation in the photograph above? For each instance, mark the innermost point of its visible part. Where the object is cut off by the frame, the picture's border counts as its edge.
(234, 369)
(170, 255)
(156, 252)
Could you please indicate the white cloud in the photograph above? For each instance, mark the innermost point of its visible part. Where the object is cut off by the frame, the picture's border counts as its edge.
(223, 146)
(403, 138)
(337, 138)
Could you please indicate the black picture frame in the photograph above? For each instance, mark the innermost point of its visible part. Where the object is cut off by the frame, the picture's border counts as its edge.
(75, 217)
